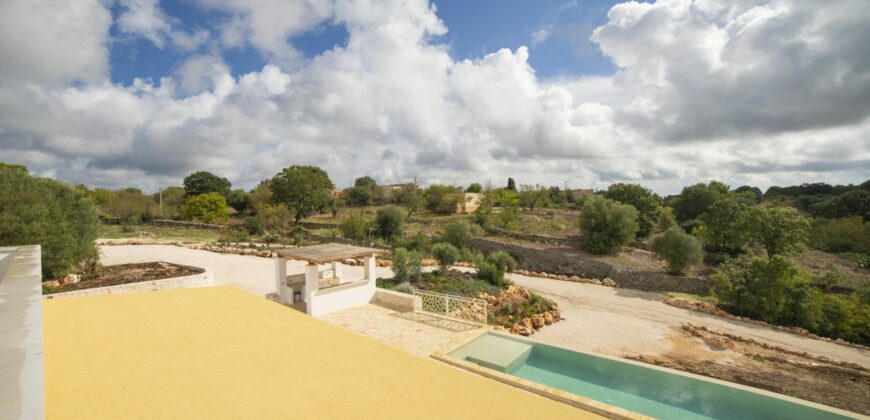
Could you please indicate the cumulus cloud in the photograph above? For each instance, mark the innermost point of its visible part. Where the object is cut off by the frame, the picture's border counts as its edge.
(763, 94)
(145, 18)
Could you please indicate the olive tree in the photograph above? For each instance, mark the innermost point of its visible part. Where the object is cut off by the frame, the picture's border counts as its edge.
(446, 254)
(303, 189)
(389, 221)
(203, 182)
(678, 248)
(607, 225)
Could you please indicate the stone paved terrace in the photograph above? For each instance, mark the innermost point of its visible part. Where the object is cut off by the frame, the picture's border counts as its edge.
(416, 333)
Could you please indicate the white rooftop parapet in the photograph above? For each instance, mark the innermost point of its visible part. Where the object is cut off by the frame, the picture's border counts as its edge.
(21, 353)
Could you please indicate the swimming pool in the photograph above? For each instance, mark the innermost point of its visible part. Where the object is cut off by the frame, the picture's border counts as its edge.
(640, 388)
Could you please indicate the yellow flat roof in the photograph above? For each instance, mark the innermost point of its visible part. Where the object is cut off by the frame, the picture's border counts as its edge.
(223, 353)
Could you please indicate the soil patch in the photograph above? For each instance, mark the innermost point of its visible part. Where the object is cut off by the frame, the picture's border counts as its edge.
(745, 361)
(113, 275)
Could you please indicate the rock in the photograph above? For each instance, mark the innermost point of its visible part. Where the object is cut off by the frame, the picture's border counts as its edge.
(51, 283)
(538, 321)
(71, 279)
(548, 318)
(608, 282)
(720, 342)
(527, 322)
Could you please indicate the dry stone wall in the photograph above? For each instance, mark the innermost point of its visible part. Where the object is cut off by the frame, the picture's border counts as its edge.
(570, 262)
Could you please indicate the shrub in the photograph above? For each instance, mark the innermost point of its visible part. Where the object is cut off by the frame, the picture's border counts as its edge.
(503, 260)
(830, 278)
(389, 221)
(756, 288)
(206, 208)
(355, 227)
(607, 225)
(446, 255)
(419, 242)
(403, 287)
(491, 273)
(239, 200)
(678, 248)
(274, 217)
(458, 234)
(254, 225)
(128, 204)
(851, 234)
(49, 213)
(407, 265)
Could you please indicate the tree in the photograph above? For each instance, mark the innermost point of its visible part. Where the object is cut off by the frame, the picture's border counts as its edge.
(389, 222)
(446, 255)
(754, 192)
(726, 227)
(607, 225)
(644, 201)
(532, 196)
(303, 189)
(474, 188)
(407, 265)
(239, 200)
(49, 213)
(411, 199)
(261, 195)
(851, 234)
(13, 167)
(366, 182)
(203, 182)
(173, 198)
(678, 248)
(458, 234)
(695, 200)
(780, 230)
(435, 193)
(511, 185)
(664, 219)
(852, 203)
(205, 208)
(359, 196)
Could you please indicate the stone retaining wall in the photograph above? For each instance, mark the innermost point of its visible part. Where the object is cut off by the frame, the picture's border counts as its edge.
(574, 263)
(396, 301)
(204, 279)
(551, 240)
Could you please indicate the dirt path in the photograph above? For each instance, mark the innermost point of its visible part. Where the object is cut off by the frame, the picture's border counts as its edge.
(623, 322)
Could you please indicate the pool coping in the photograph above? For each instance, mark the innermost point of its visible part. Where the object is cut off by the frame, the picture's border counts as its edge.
(598, 407)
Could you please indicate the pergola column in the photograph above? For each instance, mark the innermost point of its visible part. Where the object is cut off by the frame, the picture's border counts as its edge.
(371, 268)
(311, 285)
(336, 271)
(280, 278)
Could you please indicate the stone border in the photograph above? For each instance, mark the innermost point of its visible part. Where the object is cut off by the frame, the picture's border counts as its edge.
(397, 301)
(583, 403)
(711, 309)
(204, 279)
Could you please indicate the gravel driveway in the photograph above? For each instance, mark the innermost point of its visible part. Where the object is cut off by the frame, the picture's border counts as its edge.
(624, 322)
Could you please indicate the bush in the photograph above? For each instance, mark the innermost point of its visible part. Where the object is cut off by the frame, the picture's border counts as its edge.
(492, 269)
(407, 265)
(607, 225)
(355, 227)
(254, 225)
(419, 242)
(389, 222)
(403, 287)
(458, 234)
(446, 255)
(851, 234)
(205, 208)
(49, 213)
(644, 201)
(274, 217)
(756, 288)
(678, 248)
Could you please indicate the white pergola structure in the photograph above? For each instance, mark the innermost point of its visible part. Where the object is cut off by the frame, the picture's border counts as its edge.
(330, 289)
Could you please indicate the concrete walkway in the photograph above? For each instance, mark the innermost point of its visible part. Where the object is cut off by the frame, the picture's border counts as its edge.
(624, 322)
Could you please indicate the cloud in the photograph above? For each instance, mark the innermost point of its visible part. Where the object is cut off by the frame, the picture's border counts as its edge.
(751, 94)
(540, 35)
(145, 18)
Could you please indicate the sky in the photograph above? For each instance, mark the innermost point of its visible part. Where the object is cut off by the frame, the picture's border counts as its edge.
(584, 93)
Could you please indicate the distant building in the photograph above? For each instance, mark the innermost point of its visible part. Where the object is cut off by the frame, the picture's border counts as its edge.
(460, 202)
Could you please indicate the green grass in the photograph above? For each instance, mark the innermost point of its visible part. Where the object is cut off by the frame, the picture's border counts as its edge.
(158, 233)
(690, 296)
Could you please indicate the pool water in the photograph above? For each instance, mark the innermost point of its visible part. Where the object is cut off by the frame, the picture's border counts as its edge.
(655, 392)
